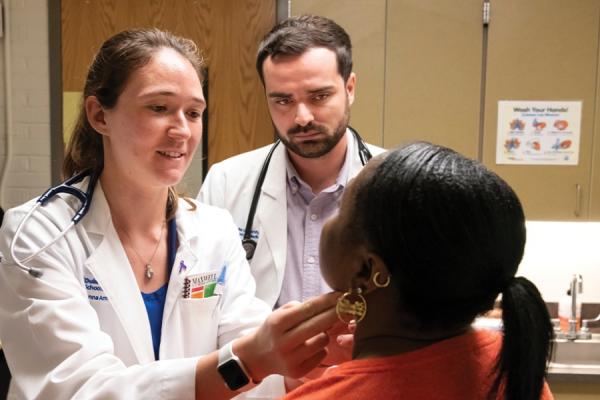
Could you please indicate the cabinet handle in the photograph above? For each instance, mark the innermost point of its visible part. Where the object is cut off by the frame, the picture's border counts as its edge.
(577, 199)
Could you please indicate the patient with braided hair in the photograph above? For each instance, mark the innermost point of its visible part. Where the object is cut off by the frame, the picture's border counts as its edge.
(424, 242)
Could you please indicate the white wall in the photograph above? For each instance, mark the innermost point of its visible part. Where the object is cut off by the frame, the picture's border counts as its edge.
(554, 251)
(557, 250)
(29, 170)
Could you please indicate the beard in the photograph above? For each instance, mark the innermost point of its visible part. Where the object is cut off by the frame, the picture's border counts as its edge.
(317, 147)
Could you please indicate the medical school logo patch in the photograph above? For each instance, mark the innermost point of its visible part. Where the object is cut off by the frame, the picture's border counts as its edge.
(94, 290)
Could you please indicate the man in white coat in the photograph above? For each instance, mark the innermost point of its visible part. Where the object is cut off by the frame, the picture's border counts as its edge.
(305, 64)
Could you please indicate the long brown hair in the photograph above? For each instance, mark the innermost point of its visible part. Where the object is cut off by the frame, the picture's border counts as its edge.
(119, 56)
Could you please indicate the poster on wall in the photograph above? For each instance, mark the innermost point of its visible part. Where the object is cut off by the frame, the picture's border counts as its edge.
(538, 132)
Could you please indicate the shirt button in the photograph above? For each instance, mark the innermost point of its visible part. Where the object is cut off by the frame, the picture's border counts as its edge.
(314, 217)
(311, 260)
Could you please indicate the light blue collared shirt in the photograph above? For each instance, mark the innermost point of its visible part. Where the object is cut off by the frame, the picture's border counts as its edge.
(306, 214)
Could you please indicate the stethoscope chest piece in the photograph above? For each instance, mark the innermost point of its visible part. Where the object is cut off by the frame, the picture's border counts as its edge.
(249, 246)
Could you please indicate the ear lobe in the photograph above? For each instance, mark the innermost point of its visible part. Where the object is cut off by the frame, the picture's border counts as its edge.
(95, 115)
(350, 86)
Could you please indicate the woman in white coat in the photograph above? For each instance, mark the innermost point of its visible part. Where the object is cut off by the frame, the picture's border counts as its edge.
(136, 299)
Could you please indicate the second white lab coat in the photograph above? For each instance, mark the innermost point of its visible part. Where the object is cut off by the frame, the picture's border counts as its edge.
(82, 331)
(230, 184)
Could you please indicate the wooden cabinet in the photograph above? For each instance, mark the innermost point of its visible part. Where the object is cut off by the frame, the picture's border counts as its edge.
(365, 22)
(595, 168)
(433, 73)
(540, 50)
(441, 72)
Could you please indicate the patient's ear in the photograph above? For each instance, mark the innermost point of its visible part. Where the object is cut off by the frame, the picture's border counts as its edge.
(95, 115)
(356, 270)
(374, 273)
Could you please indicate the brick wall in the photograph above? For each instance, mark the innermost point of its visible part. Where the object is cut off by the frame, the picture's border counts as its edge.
(28, 173)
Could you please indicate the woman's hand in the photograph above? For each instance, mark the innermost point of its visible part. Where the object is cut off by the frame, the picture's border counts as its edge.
(291, 341)
(341, 342)
(345, 340)
(339, 350)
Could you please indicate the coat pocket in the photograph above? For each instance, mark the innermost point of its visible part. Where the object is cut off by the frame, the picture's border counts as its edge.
(199, 322)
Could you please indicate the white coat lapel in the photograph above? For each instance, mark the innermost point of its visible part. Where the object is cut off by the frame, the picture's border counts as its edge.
(272, 210)
(110, 266)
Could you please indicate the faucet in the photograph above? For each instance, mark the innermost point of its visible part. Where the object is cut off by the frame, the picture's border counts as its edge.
(584, 332)
(576, 288)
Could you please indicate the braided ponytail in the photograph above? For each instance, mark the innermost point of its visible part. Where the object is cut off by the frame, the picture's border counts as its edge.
(527, 345)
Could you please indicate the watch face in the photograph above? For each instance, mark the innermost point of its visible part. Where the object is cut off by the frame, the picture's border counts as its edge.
(233, 374)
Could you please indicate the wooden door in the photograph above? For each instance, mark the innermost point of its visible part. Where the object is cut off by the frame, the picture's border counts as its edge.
(227, 32)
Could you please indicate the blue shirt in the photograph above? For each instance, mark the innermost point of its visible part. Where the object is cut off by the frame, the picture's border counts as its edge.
(306, 214)
(155, 301)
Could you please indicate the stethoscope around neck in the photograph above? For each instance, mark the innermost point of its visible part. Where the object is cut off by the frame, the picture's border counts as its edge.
(248, 243)
(67, 187)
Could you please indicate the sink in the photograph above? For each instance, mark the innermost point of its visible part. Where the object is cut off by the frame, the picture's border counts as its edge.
(577, 352)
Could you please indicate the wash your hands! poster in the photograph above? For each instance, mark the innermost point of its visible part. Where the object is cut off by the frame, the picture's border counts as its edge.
(538, 132)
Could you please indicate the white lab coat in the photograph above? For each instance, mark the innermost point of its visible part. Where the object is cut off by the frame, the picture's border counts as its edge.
(82, 331)
(230, 184)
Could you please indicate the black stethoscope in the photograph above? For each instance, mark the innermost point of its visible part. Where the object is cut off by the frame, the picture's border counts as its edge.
(248, 243)
(67, 187)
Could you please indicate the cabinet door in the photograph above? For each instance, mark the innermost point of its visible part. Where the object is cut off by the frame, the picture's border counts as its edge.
(595, 169)
(418, 66)
(433, 73)
(544, 50)
(364, 21)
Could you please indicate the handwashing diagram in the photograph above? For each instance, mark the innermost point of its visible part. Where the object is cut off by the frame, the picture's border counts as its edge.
(538, 132)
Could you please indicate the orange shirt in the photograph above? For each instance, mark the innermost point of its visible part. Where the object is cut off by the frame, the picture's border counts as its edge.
(457, 368)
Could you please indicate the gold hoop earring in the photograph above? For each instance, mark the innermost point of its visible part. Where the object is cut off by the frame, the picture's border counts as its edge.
(352, 306)
(380, 285)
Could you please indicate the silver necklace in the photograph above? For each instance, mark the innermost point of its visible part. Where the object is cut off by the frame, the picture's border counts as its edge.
(148, 272)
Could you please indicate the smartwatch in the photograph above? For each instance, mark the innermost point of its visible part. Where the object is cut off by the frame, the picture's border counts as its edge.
(231, 368)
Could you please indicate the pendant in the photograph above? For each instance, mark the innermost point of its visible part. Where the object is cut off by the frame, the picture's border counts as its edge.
(149, 271)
